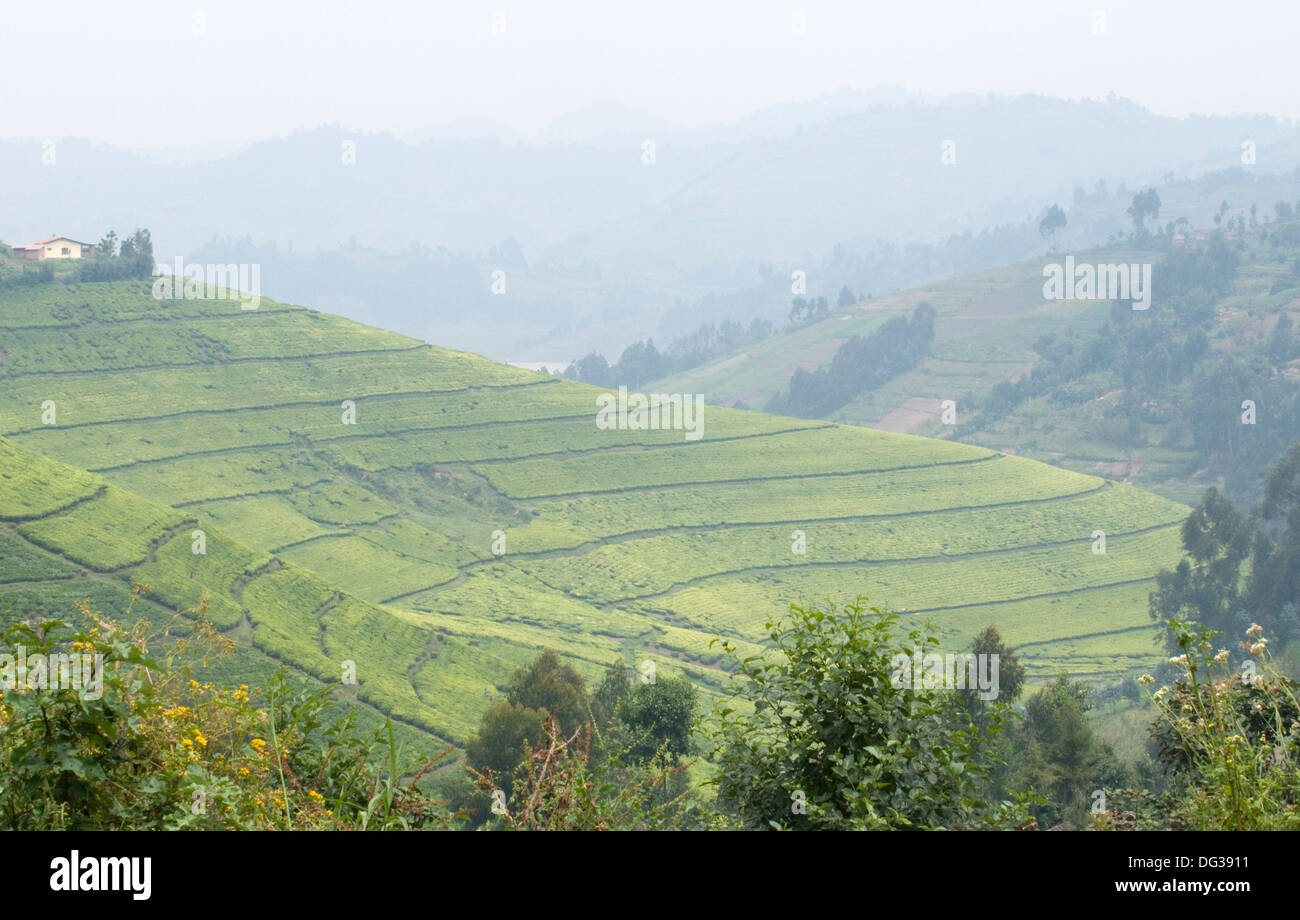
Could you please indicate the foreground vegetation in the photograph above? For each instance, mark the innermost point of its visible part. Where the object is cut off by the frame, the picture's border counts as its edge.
(154, 748)
(815, 734)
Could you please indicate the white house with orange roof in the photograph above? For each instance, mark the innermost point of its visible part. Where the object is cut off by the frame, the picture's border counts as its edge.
(55, 247)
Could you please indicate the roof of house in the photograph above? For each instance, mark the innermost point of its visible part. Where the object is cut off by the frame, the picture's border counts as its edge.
(50, 239)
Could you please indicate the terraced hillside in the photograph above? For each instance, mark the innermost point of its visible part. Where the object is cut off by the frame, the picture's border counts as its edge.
(436, 517)
(985, 328)
(67, 536)
(988, 331)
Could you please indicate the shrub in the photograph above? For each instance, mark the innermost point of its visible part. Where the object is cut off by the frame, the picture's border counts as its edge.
(1232, 736)
(564, 784)
(150, 747)
(832, 743)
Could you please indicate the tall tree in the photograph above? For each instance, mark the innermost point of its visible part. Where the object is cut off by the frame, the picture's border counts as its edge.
(107, 247)
(1011, 673)
(1062, 756)
(1273, 588)
(1206, 585)
(615, 687)
(593, 369)
(503, 732)
(660, 715)
(550, 684)
(1281, 345)
(1052, 222)
(1146, 204)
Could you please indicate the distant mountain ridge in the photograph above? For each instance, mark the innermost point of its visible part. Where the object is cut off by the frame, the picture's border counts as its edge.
(602, 239)
(844, 167)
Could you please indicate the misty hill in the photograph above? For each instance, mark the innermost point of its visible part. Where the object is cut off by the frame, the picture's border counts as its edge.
(599, 246)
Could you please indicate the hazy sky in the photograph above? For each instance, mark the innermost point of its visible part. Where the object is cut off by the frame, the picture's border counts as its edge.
(152, 74)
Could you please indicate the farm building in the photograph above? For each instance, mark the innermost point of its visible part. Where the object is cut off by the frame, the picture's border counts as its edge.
(54, 247)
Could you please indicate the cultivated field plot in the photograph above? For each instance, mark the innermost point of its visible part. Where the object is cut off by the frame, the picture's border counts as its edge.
(271, 517)
(71, 305)
(456, 515)
(29, 490)
(368, 571)
(999, 479)
(633, 568)
(799, 454)
(110, 531)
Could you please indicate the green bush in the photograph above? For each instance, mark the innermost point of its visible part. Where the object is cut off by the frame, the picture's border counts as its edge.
(817, 735)
(145, 746)
(1230, 735)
